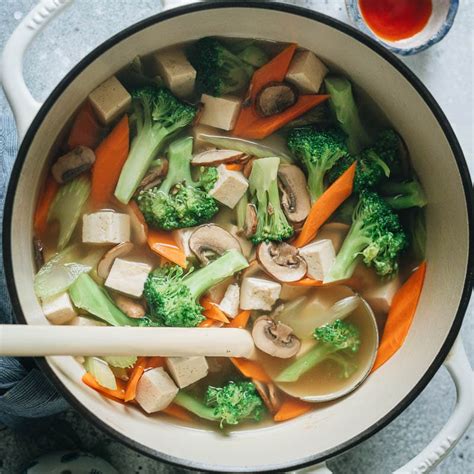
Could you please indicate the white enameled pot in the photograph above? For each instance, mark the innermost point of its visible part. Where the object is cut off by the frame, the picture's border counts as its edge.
(437, 159)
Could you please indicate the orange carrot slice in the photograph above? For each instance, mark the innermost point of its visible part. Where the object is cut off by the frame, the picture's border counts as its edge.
(207, 323)
(85, 129)
(42, 209)
(118, 394)
(110, 155)
(137, 372)
(291, 408)
(322, 209)
(212, 311)
(400, 316)
(235, 166)
(178, 412)
(251, 369)
(164, 244)
(306, 282)
(241, 320)
(153, 362)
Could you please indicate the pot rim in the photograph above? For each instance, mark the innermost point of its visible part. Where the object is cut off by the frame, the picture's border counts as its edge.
(354, 34)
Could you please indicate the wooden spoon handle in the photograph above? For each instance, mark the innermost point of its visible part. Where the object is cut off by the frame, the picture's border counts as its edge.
(44, 340)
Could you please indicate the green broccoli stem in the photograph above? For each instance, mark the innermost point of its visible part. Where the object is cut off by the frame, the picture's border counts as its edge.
(205, 278)
(316, 181)
(179, 164)
(188, 402)
(404, 195)
(306, 362)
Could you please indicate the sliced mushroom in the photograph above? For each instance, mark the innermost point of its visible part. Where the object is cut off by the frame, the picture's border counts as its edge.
(275, 338)
(269, 394)
(281, 261)
(251, 220)
(154, 176)
(106, 262)
(248, 167)
(72, 164)
(218, 157)
(38, 253)
(132, 308)
(295, 198)
(276, 97)
(209, 240)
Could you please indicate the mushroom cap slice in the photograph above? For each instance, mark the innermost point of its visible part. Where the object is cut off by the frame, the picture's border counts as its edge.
(281, 261)
(276, 97)
(275, 338)
(211, 239)
(295, 198)
(72, 164)
(218, 157)
(251, 220)
(269, 394)
(106, 262)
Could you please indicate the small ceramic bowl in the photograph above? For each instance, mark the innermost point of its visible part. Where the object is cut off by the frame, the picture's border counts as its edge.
(440, 22)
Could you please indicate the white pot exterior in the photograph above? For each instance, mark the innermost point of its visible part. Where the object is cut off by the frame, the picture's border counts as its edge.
(332, 426)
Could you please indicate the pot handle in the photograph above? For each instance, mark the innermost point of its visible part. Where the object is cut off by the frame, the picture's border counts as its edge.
(23, 104)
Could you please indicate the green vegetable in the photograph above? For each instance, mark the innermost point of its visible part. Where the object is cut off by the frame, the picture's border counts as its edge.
(241, 211)
(100, 370)
(343, 105)
(158, 114)
(337, 337)
(219, 71)
(85, 293)
(172, 296)
(415, 224)
(375, 234)
(121, 362)
(67, 206)
(253, 55)
(229, 405)
(179, 201)
(318, 151)
(263, 187)
(404, 195)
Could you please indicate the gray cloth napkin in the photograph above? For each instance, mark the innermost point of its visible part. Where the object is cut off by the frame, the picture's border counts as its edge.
(25, 393)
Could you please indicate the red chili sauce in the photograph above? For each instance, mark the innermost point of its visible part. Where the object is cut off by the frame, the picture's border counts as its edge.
(396, 19)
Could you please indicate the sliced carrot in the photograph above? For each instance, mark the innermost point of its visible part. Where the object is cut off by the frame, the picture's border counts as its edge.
(291, 408)
(207, 323)
(164, 244)
(306, 282)
(137, 372)
(235, 166)
(323, 208)
(400, 316)
(212, 311)
(153, 362)
(251, 125)
(42, 209)
(85, 129)
(118, 394)
(110, 156)
(241, 320)
(251, 369)
(178, 412)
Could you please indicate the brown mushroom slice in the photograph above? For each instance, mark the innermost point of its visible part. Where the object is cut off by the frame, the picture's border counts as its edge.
(209, 240)
(72, 164)
(38, 251)
(132, 308)
(275, 338)
(153, 177)
(276, 97)
(269, 395)
(251, 220)
(281, 261)
(218, 157)
(248, 167)
(106, 262)
(295, 198)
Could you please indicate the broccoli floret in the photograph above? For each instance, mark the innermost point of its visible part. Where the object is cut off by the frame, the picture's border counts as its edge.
(229, 405)
(157, 114)
(388, 147)
(263, 187)
(179, 201)
(375, 234)
(335, 338)
(219, 71)
(319, 151)
(404, 195)
(172, 296)
(415, 225)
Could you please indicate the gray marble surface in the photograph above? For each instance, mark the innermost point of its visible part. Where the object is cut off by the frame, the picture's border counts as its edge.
(446, 69)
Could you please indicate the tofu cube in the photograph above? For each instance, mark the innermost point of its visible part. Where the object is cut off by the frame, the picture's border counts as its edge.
(105, 227)
(380, 296)
(334, 231)
(128, 277)
(219, 112)
(155, 390)
(176, 71)
(257, 293)
(306, 72)
(110, 100)
(187, 370)
(181, 237)
(83, 321)
(59, 309)
(230, 186)
(231, 300)
(319, 256)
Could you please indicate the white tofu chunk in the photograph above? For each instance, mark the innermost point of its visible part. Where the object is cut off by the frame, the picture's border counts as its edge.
(257, 293)
(176, 71)
(230, 186)
(187, 370)
(110, 100)
(306, 72)
(334, 231)
(319, 256)
(155, 390)
(128, 277)
(105, 227)
(229, 304)
(59, 309)
(380, 295)
(181, 237)
(219, 112)
(83, 321)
